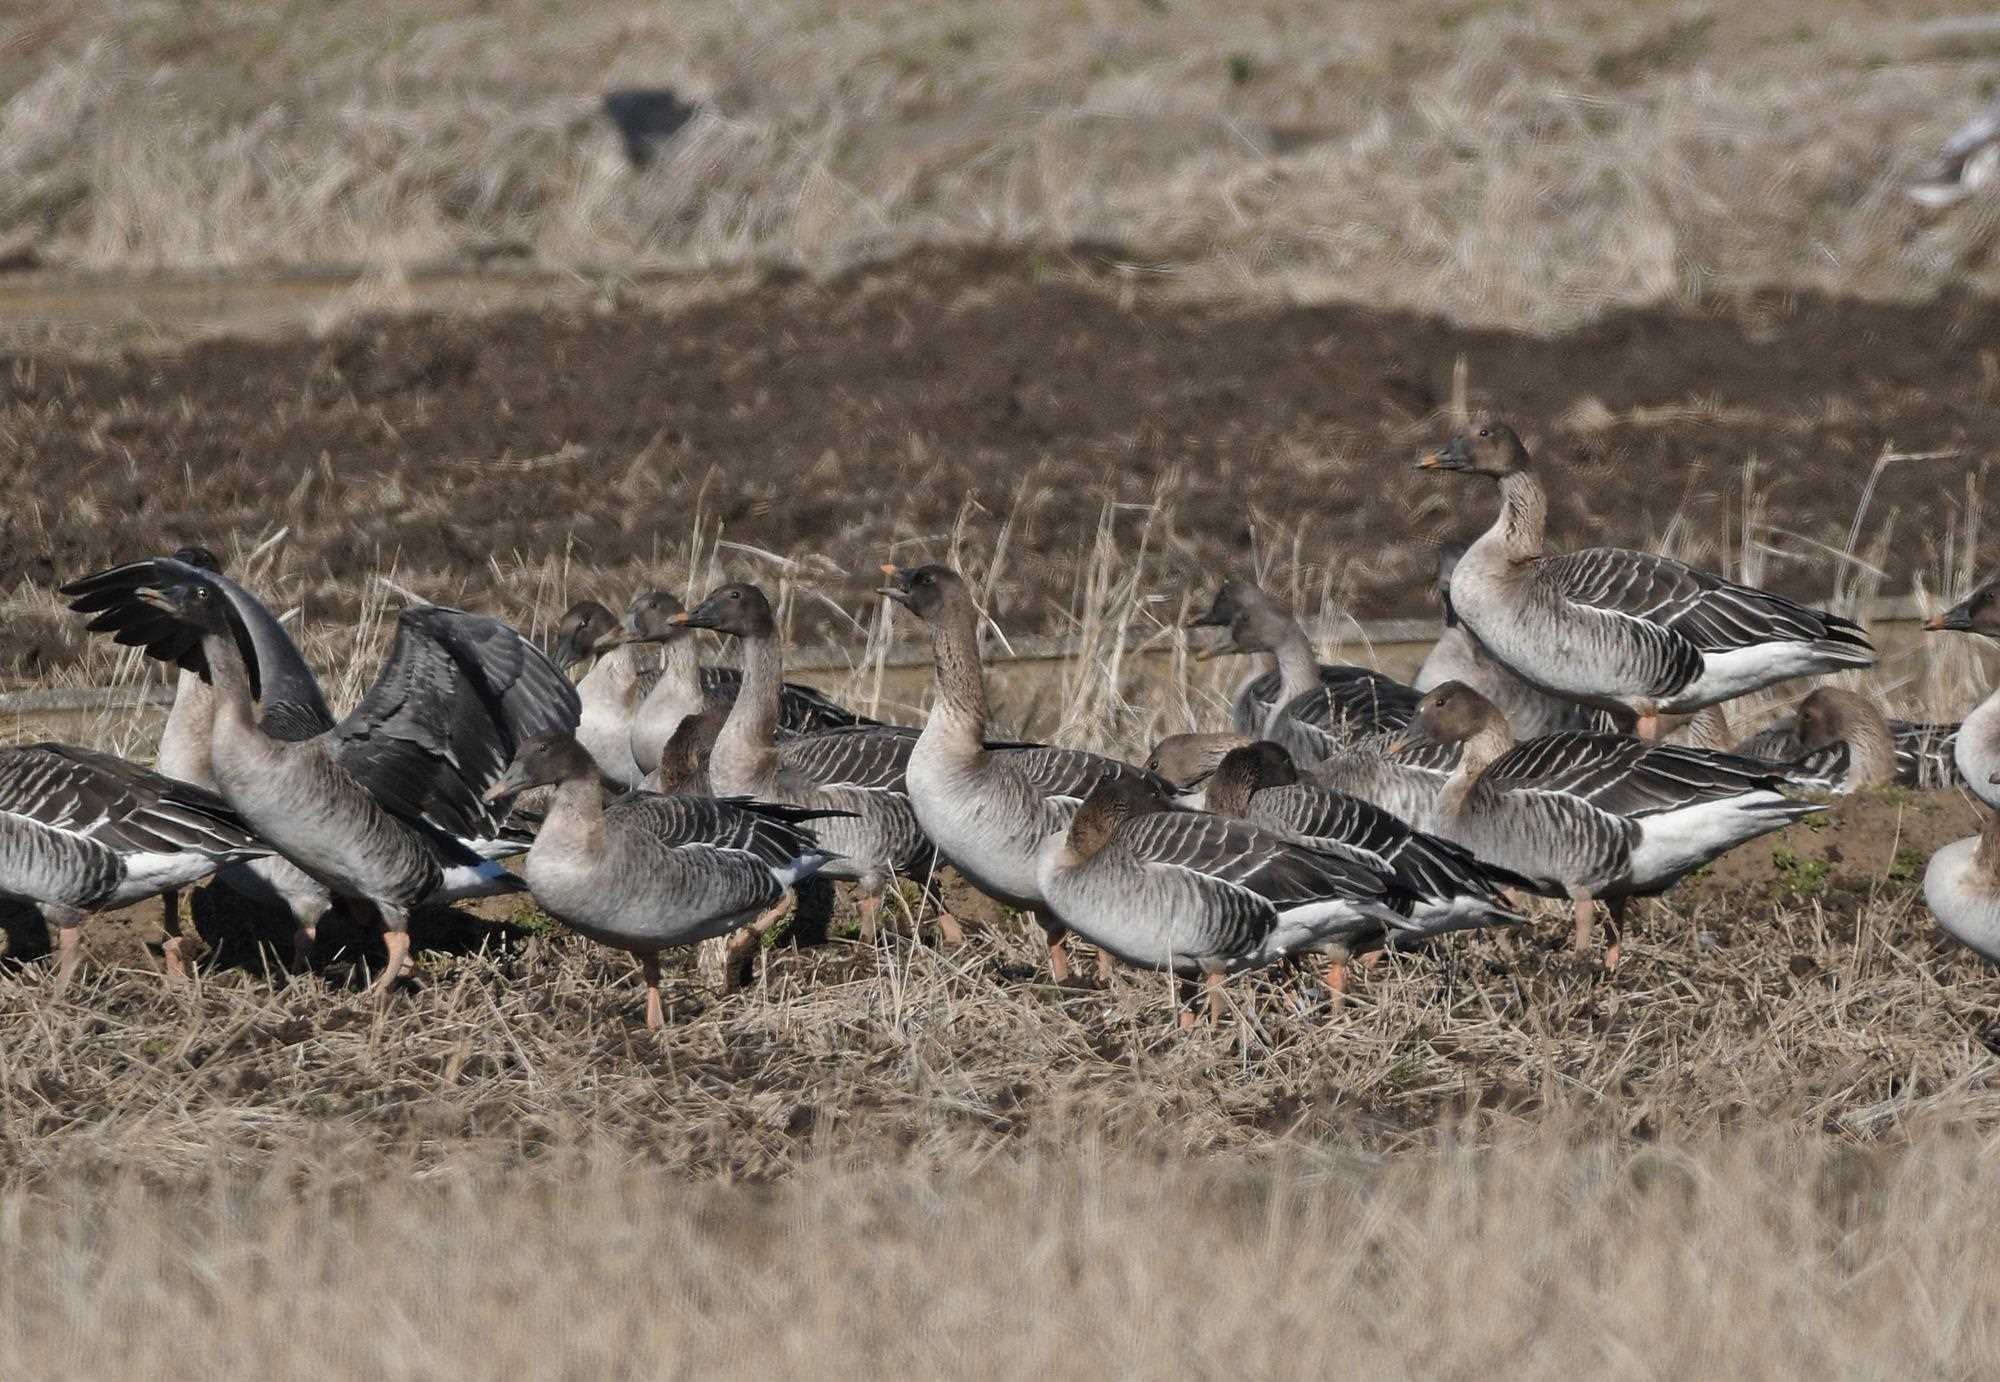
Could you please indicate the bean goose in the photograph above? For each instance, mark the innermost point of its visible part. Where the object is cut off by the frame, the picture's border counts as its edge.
(1976, 752)
(1405, 784)
(986, 809)
(608, 694)
(858, 770)
(1310, 708)
(1595, 817)
(1199, 894)
(1628, 631)
(684, 687)
(383, 809)
(683, 766)
(1458, 656)
(1260, 784)
(645, 872)
(1962, 887)
(81, 832)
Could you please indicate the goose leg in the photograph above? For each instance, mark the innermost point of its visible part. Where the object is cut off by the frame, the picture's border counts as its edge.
(649, 969)
(1056, 933)
(1213, 983)
(871, 907)
(1582, 939)
(1184, 1002)
(1336, 982)
(1104, 967)
(69, 942)
(1614, 929)
(1649, 728)
(396, 939)
(173, 950)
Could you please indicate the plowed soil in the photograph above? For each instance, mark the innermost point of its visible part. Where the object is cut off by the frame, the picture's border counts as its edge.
(834, 420)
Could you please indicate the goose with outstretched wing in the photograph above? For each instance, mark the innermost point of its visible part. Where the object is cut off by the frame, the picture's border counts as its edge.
(384, 808)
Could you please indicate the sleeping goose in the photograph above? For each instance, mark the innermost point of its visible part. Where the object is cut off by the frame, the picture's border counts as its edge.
(383, 809)
(1260, 784)
(1962, 887)
(1204, 895)
(609, 694)
(1595, 817)
(1628, 631)
(643, 872)
(986, 809)
(1458, 656)
(82, 832)
(685, 688)
(1310, 708)
(1405, 785)
(1976, 753)
(858, 770)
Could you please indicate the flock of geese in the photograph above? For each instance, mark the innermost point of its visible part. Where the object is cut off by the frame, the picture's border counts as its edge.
(1566, 739)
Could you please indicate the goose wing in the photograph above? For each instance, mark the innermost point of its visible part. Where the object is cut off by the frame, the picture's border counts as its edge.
(288, 695)
(801, 710)
(1249, 860)
(120, 805)
(869, 757)
(1429, 866)
(1712, 614)
(773, 836)
(457, 696)
(1628, 777)
(1069, 774)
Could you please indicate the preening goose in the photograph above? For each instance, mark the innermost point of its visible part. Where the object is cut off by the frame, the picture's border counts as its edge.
(1406, 785)
(858, 770)
(1260, 784)
(1976, 753)
(1458, 656)
(82, 831)
(1204, 895)
(988, 810)
(644, 872)
(1625, 630)
(384, 808)
(1595, 817)
(609, 694)
(684, 687)
(1310, 708)
(1962, 887)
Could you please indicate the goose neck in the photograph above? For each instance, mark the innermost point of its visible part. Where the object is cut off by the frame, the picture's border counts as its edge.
(747, 746)
(234, 705)
(1298, 669)
(958, 712)
(1524, 516)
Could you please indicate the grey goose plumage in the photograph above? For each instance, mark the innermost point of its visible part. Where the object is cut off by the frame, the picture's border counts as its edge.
(610, 692)
(987, 809)
(1625, 630)
(1595, 817)
(643, 872)
(82, 831)
(1962, 887)
(383, 808)
(1405, 784)
(1204, 895)
(1976, 750)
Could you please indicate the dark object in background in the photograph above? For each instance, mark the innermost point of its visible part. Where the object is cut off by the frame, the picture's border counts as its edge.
(646, 117)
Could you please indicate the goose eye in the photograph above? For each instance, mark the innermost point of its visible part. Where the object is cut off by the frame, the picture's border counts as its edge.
(1485, 432)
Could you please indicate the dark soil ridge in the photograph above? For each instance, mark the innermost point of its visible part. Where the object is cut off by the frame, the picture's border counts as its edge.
(840, 420)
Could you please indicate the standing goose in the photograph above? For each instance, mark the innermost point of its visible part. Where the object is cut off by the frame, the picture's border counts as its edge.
(1962, 887)
(1405, 784)
(384, 808)
(987, 810)
(1458, 656)
(1976, 753)
(858, 771)
(1204, 895)
(81, 832)
(1628, 631)
(645, 872)
(1310, 708)
(1260, 784)
(1595, 817)
(684, 687)
(609, 694)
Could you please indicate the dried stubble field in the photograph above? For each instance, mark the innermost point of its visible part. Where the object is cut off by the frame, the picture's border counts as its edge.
(1764, 1146)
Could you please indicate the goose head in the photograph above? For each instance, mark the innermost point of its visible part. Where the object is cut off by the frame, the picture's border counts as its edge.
(1451, 714)
(543, 761)
(587, 628)
(1832, 716)
(1978, 612)
(1187, 760)
(740, 610)
(1492, 450)
(1244, 772)
(1254, 621)
(1115, 799)
(194, 602)
(200, 557)
(928, 592)
(650, 618)
(684, 759)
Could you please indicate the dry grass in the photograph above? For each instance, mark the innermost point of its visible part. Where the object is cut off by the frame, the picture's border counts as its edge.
(1525, 163)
